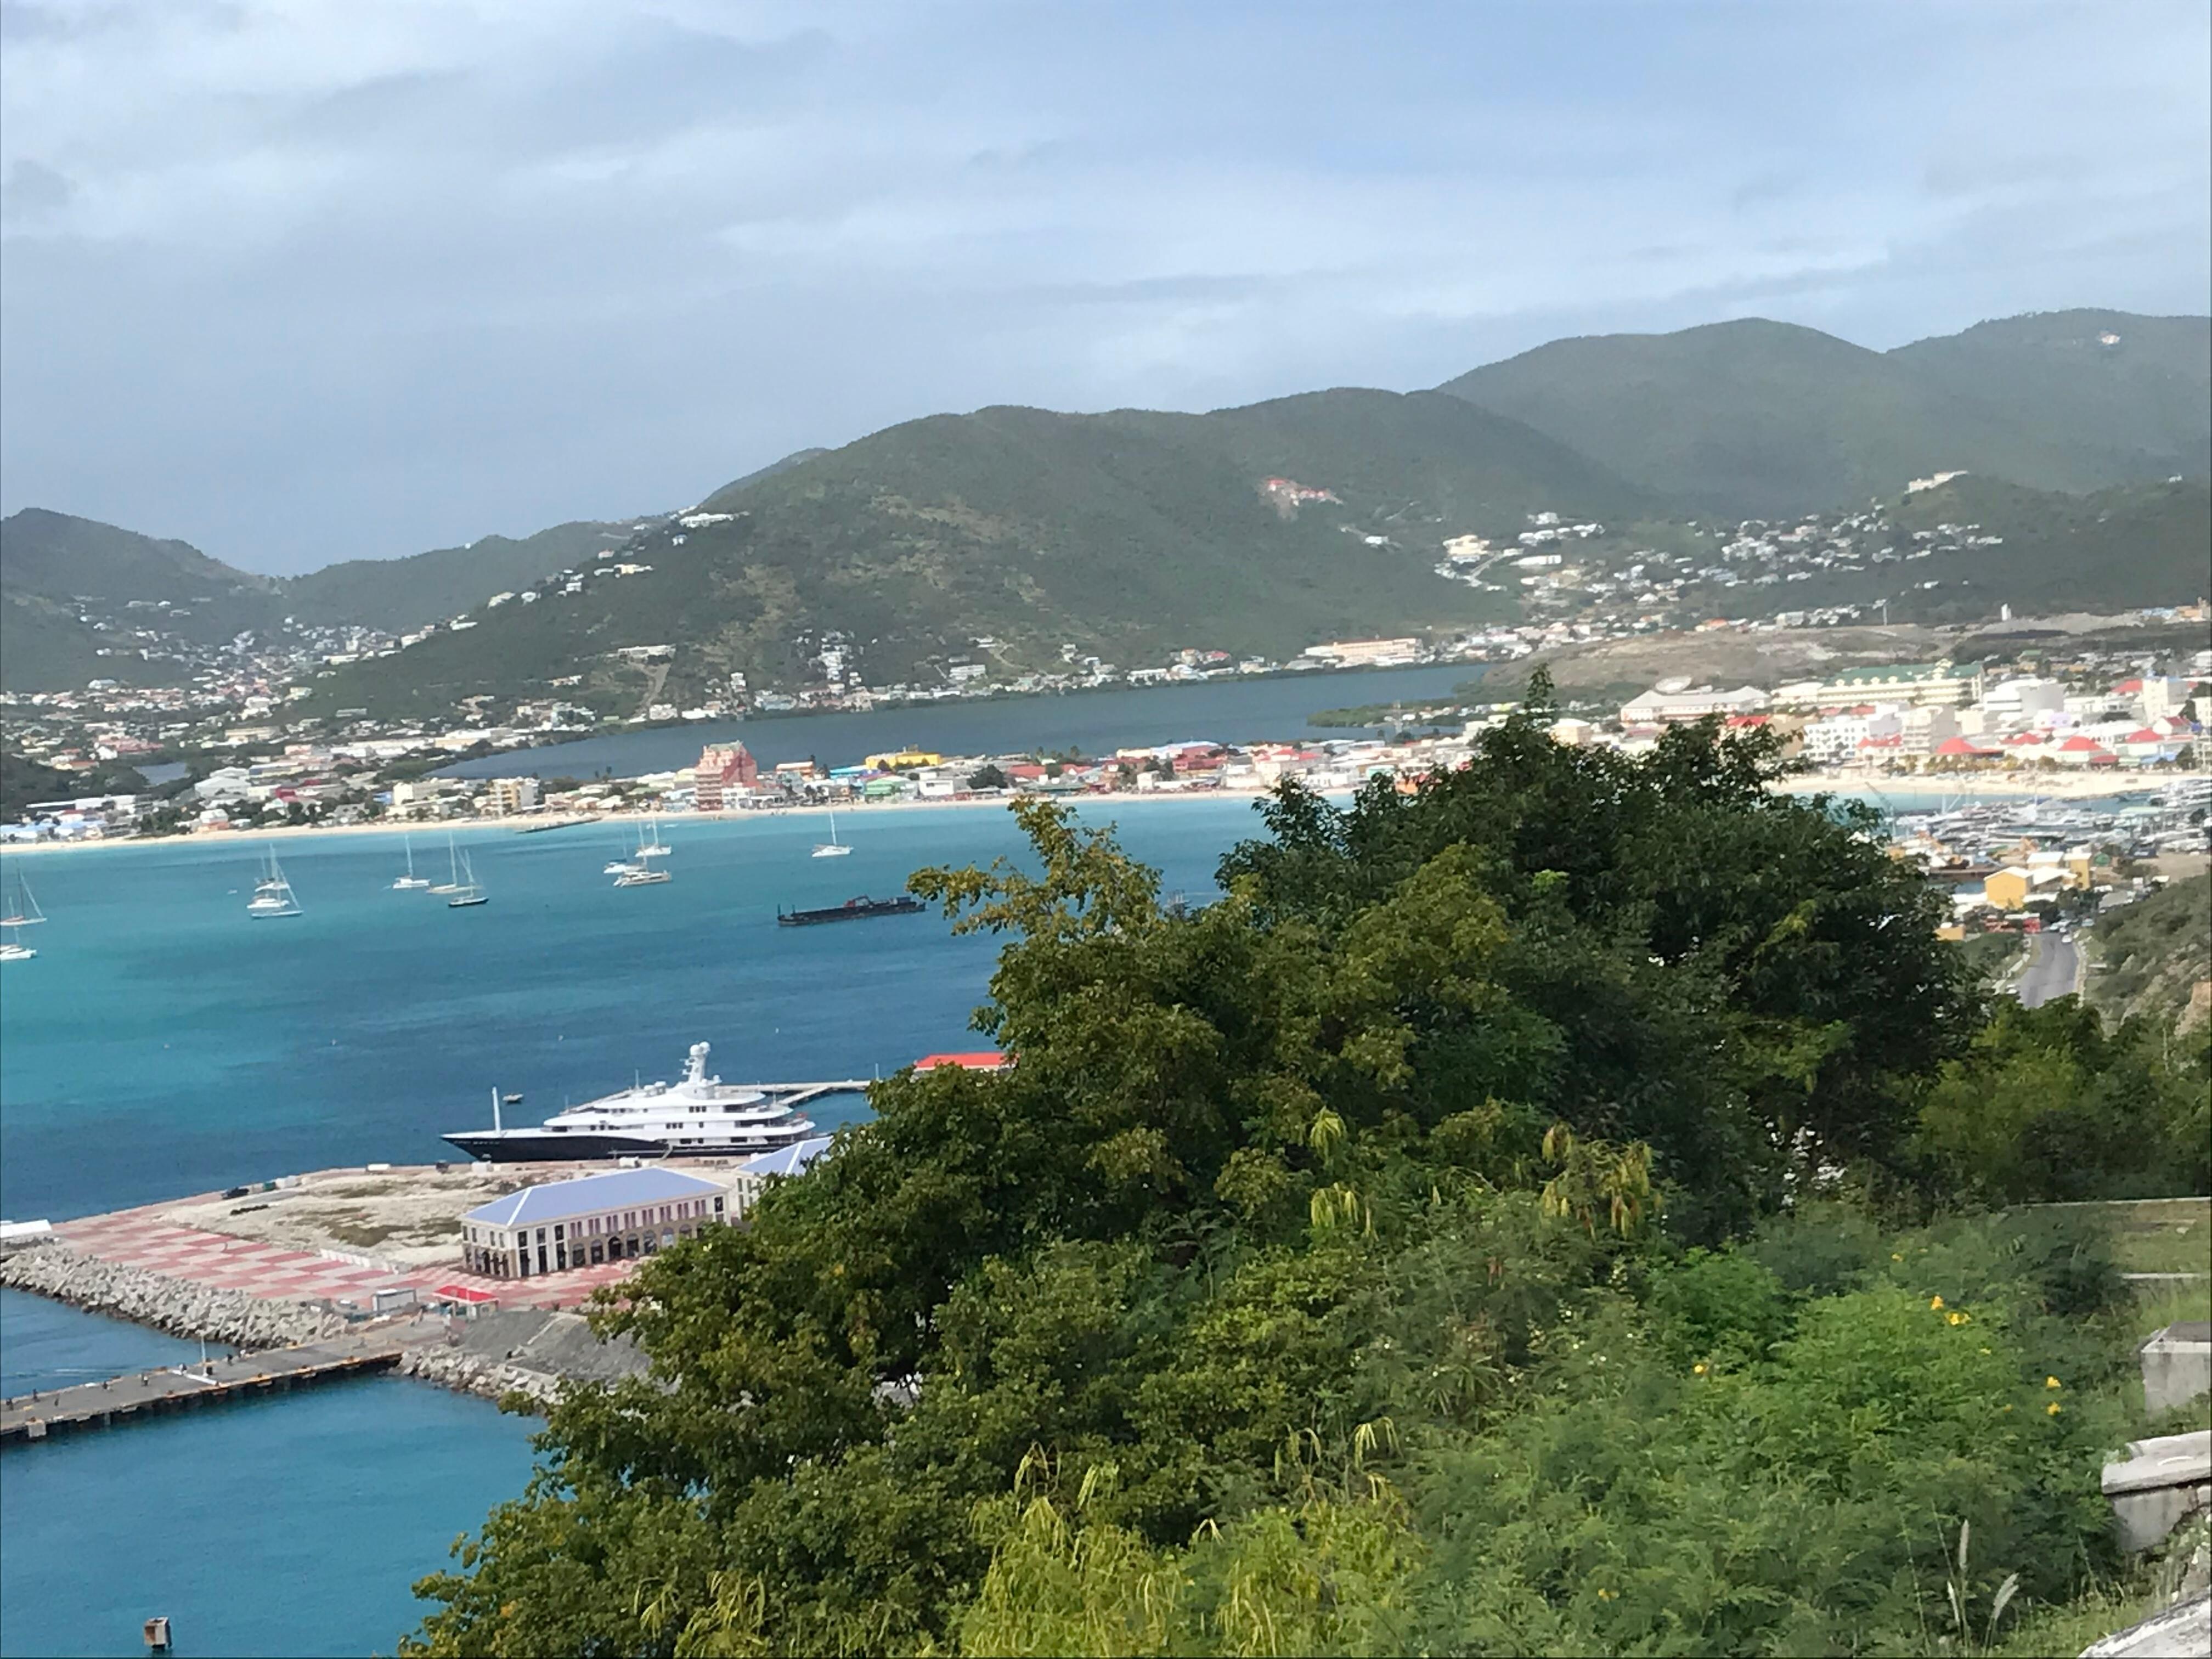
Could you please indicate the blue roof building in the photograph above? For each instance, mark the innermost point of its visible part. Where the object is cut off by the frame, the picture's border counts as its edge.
(559, 1225)
(787, 1160)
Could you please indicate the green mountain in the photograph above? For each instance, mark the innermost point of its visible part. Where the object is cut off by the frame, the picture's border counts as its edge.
(2113, 550)
(399, 594)
(1128, 535)
(80, 599)
(1761, 419)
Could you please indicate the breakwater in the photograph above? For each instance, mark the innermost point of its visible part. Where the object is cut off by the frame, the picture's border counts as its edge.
(524, 1351)
(175, 1305)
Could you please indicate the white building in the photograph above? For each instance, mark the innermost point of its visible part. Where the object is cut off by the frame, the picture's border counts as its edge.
(1656, 707)
(1838, 738)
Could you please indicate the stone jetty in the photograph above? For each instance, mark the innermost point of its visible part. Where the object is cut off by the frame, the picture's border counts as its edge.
(175, 1305)
(526, 1350)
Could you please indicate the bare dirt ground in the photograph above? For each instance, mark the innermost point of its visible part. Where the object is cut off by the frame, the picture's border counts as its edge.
(1725, 657)
(408, 1216)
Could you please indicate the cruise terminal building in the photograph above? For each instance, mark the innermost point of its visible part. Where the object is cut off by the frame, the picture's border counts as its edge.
(560, 1225)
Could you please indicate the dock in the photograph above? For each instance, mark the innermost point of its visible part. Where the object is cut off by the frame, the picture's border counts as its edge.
(184, 1387)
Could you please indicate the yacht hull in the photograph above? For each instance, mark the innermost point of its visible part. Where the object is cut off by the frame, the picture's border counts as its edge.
(524, 1146)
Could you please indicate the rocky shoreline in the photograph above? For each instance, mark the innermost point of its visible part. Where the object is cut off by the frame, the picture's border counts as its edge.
(174, 1306)
(524, 1351)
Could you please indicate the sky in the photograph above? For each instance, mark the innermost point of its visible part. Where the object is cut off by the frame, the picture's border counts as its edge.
(302, 282)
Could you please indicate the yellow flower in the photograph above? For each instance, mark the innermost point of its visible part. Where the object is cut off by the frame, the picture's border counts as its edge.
(1698, 1370)
(2053, 1409)
(1935, 1303)
(1607, 1595)
(2052, 1383)
(1954, 1319)
(2007, 1408)
(1895, 1256)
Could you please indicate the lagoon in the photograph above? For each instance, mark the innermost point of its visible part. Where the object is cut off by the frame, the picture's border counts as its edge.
(1091, 723)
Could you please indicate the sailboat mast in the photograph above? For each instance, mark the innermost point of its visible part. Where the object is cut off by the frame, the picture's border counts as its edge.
(494, 1110)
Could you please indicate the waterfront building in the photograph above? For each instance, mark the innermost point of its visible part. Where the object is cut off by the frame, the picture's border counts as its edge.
(505, 796)
(724, 770)
(562, 1225)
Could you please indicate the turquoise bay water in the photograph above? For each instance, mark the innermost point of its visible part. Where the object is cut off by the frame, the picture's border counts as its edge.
(161, 1043)
(289, 1525)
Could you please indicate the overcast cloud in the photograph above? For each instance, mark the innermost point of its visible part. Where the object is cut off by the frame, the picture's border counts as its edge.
(302, 282)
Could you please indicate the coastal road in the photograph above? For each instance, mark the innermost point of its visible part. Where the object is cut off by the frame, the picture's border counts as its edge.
(2051, 970)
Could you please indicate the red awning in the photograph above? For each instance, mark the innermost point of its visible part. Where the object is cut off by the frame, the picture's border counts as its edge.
(988, 1061)
(462, 1293)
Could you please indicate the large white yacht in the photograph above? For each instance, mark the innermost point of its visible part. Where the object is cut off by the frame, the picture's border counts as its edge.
(701, 1117)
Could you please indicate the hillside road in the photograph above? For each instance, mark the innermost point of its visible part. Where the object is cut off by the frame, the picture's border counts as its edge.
(2050, 972)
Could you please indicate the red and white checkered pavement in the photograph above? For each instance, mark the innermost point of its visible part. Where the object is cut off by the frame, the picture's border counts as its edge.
(139, 1239)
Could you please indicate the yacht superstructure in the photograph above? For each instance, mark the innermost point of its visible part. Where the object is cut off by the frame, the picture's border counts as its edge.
(699, 1116)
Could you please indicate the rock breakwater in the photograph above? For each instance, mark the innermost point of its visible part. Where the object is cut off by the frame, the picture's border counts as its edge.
(175, 1305)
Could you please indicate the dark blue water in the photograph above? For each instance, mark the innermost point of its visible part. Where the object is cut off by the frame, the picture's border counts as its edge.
(161, 1043)
(1091, 723)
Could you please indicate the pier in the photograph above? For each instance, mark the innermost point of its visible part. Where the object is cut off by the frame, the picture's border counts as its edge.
(181, 1388)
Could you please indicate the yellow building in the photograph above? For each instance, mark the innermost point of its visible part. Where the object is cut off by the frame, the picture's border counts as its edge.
(2008, 888)
(902, 759)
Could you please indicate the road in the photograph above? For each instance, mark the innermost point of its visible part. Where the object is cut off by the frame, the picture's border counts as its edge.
(2050, 972)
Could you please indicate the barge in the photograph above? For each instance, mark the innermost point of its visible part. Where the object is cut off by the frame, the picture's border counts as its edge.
(853, 910)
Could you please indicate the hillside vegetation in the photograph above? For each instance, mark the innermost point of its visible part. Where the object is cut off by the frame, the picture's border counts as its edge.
(1129, 536)
(1759, 418)
(61, 576)
(399, 594)
(2152, 955)
(1420, 1250)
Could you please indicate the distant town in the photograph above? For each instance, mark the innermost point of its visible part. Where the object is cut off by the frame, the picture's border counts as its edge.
(226, 752)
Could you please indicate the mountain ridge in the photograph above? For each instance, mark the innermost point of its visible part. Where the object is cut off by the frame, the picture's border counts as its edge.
(1259, 528)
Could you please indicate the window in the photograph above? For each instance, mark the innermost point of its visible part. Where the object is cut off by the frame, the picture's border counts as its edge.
(541, 1238)
(558, 1232)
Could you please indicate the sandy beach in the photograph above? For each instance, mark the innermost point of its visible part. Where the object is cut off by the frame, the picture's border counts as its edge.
(548, 823)
(2064, 785)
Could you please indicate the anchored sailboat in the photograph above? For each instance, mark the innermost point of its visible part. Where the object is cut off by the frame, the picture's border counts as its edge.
(453, 882)
(23, 912)
(831, 848)
(410, 882)
(641, 873)
(22, 909)
(648, 843)
(469, 891)
(272, 894)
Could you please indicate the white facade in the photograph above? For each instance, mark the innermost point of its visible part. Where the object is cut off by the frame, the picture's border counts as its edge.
(1657, 706)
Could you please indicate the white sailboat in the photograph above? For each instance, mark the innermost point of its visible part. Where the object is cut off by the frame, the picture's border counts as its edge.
(23, 912)
(651, 848)
(831, 848)
(640, 871)
(467, 890)
(453, 882)
(621, 866)
(410, 882)
(272, 894)
(22, 909)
